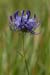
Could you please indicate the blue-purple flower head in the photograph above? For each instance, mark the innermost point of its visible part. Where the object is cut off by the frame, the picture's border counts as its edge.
(23, 22)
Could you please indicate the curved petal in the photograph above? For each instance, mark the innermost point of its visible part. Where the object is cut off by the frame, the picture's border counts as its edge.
(11, 19)
(28, 13)
(16, 14)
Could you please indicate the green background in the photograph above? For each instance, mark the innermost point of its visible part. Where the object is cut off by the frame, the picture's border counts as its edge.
(36, 47)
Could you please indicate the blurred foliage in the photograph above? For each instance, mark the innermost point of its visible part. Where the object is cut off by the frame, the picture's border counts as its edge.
(36, 47)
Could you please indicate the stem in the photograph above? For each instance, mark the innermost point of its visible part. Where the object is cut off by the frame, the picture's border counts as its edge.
(24, 55)
(26, 66)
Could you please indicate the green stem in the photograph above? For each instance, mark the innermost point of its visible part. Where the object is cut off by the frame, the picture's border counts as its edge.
(24, 55)
(26, 66)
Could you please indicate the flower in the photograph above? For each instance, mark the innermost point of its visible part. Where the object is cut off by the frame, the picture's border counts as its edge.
(23, 23)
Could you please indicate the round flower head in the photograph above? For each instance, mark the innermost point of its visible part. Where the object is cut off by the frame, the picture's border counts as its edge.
(23, 23)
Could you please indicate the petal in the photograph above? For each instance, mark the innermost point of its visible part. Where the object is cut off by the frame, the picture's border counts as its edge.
(28, 13)
(35, 33)
(32, 22)
(17, 21)
(22, 12)
(34, 15)
(11, 19)
(16, 14)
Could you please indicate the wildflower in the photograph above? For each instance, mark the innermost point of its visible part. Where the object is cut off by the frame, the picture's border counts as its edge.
(23, 23)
